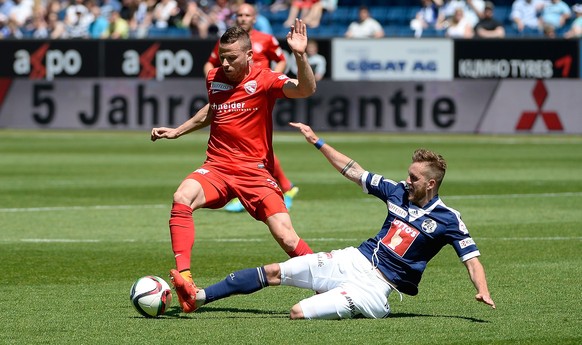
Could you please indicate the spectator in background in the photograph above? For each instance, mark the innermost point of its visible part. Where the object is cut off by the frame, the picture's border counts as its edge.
(220, 17)
(45, 23)
(426, 17)
(77, 20)
(56, 28)
(458, 26)
(5, 8)
(524, 14)
(139, 15)
(309, 11)
(489, 27)
(118, 27)
(576, 27)
(20, 14)
(196, 20)
(108, 6)
(100, 23)
(365, 27)
(280, 5)
(163, 10)
(554, 16)
(472, 12)
(317, 62)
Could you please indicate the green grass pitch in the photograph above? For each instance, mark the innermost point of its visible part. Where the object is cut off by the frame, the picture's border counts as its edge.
(84, 214)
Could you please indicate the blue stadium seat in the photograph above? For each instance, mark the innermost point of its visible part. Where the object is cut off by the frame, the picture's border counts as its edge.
(397, 15)
(344, 15)
(380, 13)
(171, 32)
(501, 13)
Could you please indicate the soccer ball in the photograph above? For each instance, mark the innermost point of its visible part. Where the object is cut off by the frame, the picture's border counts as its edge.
(150, 296)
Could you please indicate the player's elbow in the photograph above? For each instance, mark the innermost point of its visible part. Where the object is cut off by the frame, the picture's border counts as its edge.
(309, 90)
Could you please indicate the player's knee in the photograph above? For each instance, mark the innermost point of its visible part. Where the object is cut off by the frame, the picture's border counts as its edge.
(180, 197)
(296, 312)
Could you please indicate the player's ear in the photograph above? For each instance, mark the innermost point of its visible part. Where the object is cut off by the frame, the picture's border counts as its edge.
(249, 55)
(432, 184)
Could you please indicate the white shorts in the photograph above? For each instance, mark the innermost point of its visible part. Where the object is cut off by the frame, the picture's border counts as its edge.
(347, 285)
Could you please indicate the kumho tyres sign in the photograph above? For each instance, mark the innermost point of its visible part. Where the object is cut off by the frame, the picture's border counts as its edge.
(516, 59)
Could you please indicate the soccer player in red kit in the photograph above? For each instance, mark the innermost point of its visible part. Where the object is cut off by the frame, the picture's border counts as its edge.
(239, 157)
(266, 50)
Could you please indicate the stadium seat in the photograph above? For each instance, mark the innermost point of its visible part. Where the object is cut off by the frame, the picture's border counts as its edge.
(397, 16)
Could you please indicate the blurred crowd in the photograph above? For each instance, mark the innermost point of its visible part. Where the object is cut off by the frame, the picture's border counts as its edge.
(118, 19)
(477, 18)
(112, 18)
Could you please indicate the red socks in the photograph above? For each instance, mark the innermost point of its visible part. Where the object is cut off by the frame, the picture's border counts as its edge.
(301, 249)
(279, 175)
(182, 235)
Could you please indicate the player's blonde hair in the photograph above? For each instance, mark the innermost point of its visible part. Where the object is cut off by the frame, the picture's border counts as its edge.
(437, 166)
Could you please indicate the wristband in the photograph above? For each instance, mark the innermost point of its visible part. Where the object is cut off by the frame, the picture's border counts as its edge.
(319, 143)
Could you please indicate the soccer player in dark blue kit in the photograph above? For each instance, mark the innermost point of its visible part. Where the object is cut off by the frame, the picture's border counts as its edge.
(357, 281)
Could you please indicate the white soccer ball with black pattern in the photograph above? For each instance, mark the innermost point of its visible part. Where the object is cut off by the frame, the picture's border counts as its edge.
(150, 296)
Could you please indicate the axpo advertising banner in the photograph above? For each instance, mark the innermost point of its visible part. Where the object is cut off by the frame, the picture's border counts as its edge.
(392, 59)
(142, 59)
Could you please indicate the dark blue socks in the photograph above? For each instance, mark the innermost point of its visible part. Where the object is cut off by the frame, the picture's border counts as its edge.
(241, 282)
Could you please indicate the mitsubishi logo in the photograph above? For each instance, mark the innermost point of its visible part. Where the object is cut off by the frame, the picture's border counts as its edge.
(528, 118)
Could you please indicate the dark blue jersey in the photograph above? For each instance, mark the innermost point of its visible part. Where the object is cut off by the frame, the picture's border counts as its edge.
(412, 235)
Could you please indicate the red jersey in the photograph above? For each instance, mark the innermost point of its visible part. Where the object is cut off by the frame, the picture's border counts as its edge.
(265, 49)
(242, 128)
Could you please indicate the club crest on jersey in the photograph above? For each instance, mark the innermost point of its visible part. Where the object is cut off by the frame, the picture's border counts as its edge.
(429, 226)
(251, 87)
(216, 86)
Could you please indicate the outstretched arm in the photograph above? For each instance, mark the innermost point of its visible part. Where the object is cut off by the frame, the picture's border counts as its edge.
(477, 275)
(342, 163)
(304, 85)
(200, 120)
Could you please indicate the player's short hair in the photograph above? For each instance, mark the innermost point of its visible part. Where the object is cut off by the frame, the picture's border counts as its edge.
(435, 162)
(237, 34)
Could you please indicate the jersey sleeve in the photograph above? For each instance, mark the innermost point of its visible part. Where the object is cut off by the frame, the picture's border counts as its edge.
(462, 242)
(213, 58)
(274, 82)
(377, 185)
(274, 52)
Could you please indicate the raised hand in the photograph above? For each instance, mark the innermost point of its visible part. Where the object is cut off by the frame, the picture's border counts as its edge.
(297, 37)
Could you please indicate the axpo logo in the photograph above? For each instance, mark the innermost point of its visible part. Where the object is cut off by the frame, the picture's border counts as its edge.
(157, 63)
(46, 63)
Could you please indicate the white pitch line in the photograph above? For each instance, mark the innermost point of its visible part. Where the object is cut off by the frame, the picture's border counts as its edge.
(514, 196)
(78, 208)
(233, 240)
(117, 207)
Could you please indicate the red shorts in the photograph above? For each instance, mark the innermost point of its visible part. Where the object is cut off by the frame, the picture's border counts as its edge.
(255, 187)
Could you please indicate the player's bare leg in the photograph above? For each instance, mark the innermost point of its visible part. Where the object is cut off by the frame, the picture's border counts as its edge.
(283, 232)
(188, 197)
